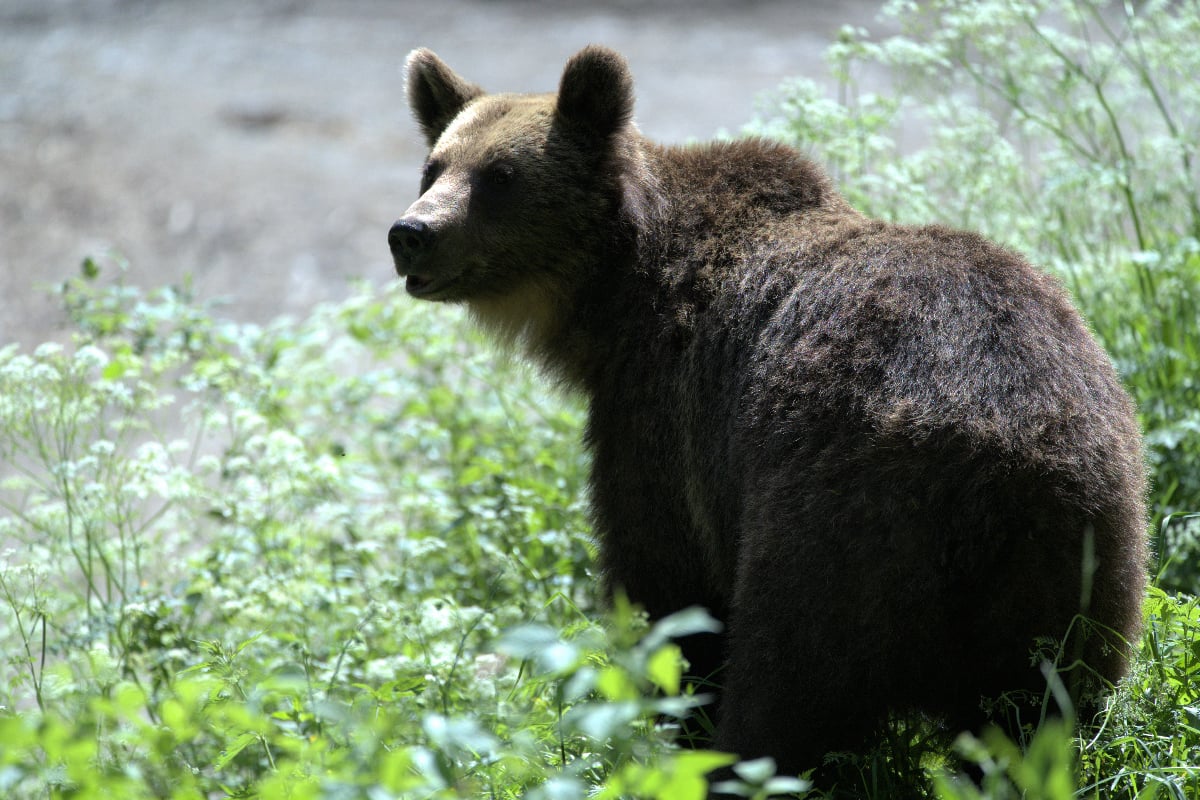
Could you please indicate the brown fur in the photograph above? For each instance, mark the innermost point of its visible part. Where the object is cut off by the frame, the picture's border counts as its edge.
(889, 458)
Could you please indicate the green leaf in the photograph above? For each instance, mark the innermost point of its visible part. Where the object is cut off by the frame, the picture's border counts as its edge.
(665, 668)
(542, 644)
(599, 721)
(114, 369)
(687, 622)
(755, 771)
(230, 751)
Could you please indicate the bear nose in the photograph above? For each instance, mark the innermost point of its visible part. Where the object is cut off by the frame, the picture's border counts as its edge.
(408, 237)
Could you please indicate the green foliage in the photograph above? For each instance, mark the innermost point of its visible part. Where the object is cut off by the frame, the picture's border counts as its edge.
(1067, 129)
(277, 561)
(1149, 742)
(1146, 744)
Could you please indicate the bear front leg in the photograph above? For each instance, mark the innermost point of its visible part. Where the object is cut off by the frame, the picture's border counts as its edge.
(662, 587)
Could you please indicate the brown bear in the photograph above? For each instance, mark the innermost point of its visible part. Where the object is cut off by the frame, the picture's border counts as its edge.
(891, 459)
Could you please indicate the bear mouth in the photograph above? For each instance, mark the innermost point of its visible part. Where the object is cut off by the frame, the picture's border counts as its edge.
(418, 285)
(425, 287)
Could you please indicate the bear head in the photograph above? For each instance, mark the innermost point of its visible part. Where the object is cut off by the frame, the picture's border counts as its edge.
(520, 193)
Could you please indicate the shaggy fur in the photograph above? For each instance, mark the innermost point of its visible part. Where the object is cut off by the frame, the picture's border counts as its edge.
(889, 458)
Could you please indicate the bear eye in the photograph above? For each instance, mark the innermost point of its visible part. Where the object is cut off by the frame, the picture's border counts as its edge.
(499, 173)
(429, 174)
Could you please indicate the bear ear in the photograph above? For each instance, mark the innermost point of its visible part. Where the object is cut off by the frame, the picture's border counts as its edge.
(435, 93)
(596, 91)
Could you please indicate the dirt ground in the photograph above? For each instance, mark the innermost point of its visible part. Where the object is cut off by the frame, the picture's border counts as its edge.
(265, 147)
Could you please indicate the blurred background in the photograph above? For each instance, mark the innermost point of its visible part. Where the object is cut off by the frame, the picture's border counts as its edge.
(263, 148)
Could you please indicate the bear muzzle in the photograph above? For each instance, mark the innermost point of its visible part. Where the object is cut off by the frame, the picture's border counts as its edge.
(410, 240)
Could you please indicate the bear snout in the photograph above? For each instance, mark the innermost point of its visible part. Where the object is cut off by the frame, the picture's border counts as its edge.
(408, 239)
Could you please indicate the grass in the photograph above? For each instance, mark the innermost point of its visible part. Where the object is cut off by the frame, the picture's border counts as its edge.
(347, 556)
